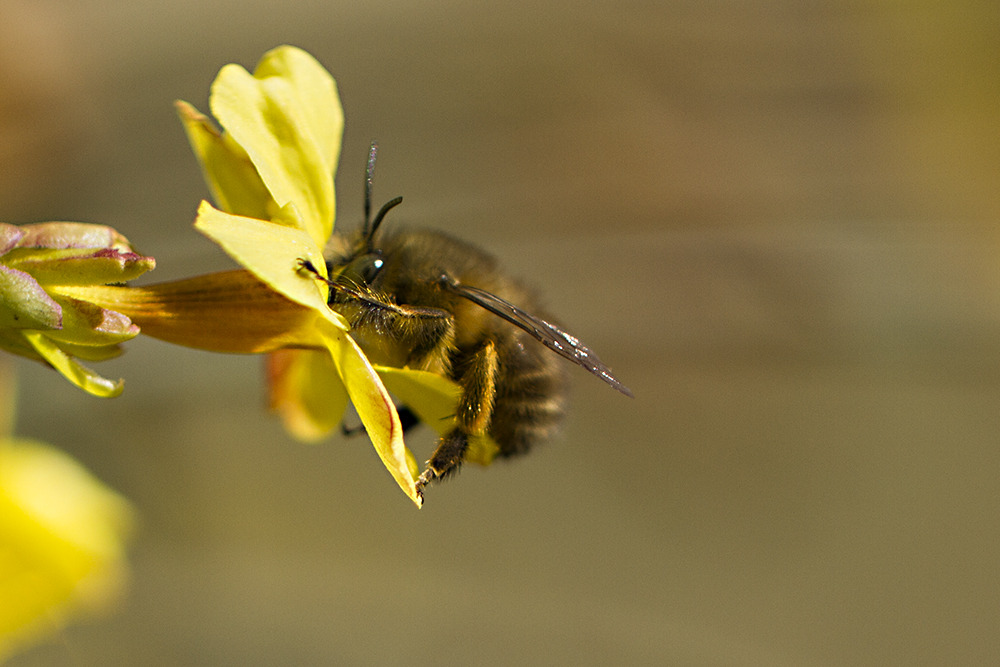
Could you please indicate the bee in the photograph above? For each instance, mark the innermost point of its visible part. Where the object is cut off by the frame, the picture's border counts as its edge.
(426, 300)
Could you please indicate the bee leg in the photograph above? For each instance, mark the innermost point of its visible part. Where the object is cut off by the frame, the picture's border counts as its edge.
(475, 410)
(446, 459)
(431, 334)
(428, 333)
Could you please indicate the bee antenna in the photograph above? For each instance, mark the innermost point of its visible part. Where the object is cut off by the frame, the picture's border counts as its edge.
(372, 225)
(381, 214)
(369, 180)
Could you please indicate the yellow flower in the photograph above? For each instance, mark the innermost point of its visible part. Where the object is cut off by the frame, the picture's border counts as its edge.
(270, 171)
(46, 272)
(62, 536)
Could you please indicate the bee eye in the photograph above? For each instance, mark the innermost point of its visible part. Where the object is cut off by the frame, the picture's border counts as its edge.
(364, 269)
(371, 269)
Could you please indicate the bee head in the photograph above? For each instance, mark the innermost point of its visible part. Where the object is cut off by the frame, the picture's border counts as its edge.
(367, 261)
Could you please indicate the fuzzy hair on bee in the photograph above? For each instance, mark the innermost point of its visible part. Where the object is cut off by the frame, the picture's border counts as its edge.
(425, 300)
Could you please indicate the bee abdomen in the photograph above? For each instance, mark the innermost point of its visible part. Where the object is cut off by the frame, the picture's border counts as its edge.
(530, 403)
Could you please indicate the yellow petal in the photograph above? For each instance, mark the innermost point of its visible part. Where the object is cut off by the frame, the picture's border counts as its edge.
(316, 96)
(80, 375)
(272, 253)
(290, 134)
(374, 407)
(92, 352)
(79, 266)
(306, 391)
(231, 311)
(62, 537)
(434, 399)
(231, 177)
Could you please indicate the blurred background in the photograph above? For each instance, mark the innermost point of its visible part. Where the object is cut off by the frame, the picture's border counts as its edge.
(776, 221)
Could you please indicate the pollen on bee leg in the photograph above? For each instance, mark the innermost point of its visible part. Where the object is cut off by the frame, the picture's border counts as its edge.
(475, 409)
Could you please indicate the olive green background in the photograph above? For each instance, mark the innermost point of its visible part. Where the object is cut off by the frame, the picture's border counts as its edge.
(776, 221)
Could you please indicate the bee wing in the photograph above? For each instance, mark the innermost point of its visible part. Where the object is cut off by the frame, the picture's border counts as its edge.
(548, 334)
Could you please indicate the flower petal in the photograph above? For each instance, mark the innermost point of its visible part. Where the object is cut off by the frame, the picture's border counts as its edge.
(92, 352)
(90, 325)
(231, 311)
(24, 304)
(272, 253)
(72, 235)
(280, 127)
(307, 392)
(316, 96)
(434, 398)
(374, 407)
(74, 266)
(231, 177)
(73, 371)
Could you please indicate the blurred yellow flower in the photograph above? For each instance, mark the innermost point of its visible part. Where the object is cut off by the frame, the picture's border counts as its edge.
(62, 537)
(46, 271)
